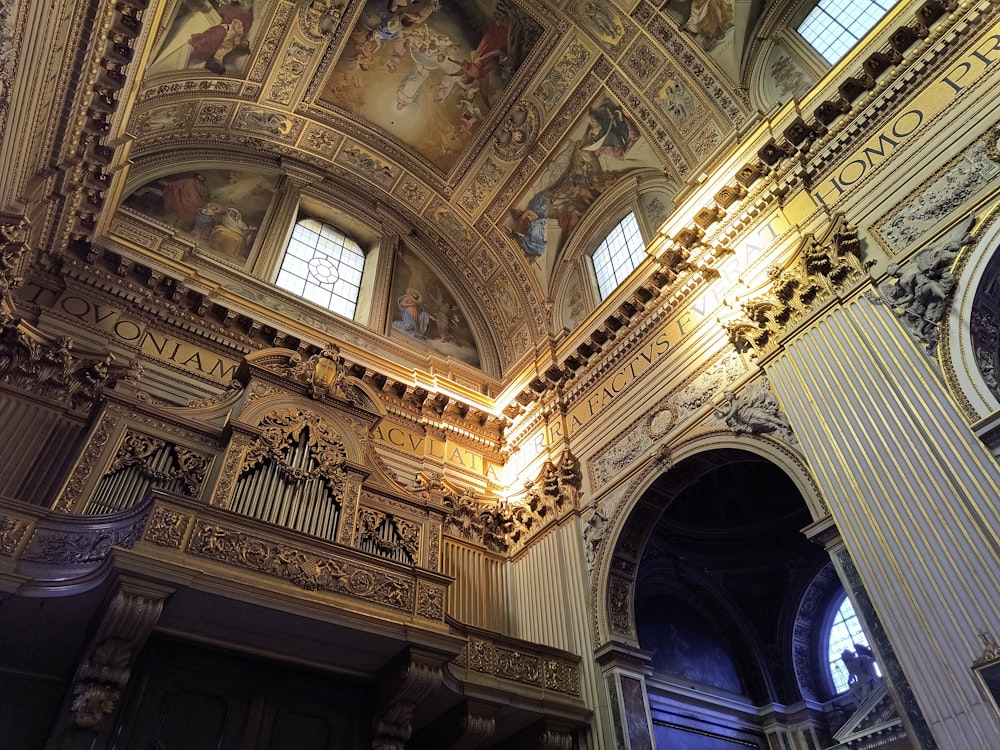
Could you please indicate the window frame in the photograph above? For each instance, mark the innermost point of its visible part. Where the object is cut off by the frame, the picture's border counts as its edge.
(637, 254)
(323, 232)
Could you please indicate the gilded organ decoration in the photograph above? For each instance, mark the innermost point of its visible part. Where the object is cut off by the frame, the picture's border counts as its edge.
(387, 536)
(293, 474)
(143, 462)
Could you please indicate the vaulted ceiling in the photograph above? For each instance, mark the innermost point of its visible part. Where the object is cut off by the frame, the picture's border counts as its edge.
(452, 124)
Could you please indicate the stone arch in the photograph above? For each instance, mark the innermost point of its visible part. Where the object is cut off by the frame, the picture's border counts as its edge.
(969, 341)
(631, 522)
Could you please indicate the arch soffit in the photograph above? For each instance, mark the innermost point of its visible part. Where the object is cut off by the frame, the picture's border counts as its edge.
(438, 255)
(747, 651)
(616, 563)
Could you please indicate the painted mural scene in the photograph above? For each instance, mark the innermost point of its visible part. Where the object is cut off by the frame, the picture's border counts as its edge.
(222, 208)
(430, 71)
(426, 313)
(213, 35)
(604, 147)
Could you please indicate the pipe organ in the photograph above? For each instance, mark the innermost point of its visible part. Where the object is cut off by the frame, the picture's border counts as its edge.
(143, 463)
(292, 491)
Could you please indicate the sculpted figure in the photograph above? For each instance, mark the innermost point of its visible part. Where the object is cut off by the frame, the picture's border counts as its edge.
(756, 411)
(922, 289)
(860, 665)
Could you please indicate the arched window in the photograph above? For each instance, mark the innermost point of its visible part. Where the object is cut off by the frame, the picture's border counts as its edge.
(834, 26)
(845, 633)
(323, 265)
(622, 250)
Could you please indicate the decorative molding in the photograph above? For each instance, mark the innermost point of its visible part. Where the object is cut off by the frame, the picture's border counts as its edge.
(52, 369)
(307, 570)
(523, 664)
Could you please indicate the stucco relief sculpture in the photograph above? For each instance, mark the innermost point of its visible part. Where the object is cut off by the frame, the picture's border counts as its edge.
(755, 412)
(922, 289)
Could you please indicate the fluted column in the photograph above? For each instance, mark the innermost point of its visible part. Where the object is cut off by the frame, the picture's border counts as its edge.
(914, 495)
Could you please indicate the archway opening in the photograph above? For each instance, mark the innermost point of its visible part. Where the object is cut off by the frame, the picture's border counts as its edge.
(718, 588)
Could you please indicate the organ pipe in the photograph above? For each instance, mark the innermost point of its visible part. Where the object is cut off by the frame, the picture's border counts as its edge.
(271, 492)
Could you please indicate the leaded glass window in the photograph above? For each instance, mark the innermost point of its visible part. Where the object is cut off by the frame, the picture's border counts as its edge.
(845, 633)
(324, 266)
(834, 26)
(622, 250)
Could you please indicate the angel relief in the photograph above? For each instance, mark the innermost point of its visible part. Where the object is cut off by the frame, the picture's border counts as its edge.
(430, 71)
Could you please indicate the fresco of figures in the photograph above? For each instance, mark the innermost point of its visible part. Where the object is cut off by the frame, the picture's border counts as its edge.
(222, 208)
(602, 148)
(710, 23)
(430, 71)
(213, 35)
(424, 312)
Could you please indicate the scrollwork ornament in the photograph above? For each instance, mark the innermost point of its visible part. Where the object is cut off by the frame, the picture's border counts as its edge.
(306, 570)
(167, 528)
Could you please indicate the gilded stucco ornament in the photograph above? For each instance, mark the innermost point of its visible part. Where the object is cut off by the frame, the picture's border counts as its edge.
(819, 270)
(51, 367)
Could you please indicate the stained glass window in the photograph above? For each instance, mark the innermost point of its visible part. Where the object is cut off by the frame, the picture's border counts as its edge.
(622, 250)
(834, 26)
(323, 265)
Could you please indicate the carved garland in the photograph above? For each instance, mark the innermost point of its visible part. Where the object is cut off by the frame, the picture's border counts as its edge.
(282, 430)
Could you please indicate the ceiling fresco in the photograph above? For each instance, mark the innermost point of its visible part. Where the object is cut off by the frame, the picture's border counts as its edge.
(428, 72)
(488, 130)
(223, 208)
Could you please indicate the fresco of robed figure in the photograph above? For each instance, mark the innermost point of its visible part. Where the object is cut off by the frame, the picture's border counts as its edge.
(213, 35)
(223, 208)
(430, 71)
(424, 311)
(601, 149)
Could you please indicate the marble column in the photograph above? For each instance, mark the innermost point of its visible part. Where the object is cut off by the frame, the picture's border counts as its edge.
(914, 495)
(624, 670)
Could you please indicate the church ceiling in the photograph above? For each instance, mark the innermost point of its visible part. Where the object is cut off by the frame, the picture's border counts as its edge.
(459, 123)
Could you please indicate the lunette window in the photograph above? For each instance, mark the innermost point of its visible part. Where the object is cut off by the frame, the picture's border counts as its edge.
(618, 255)
(834, 26)
(324, 266)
